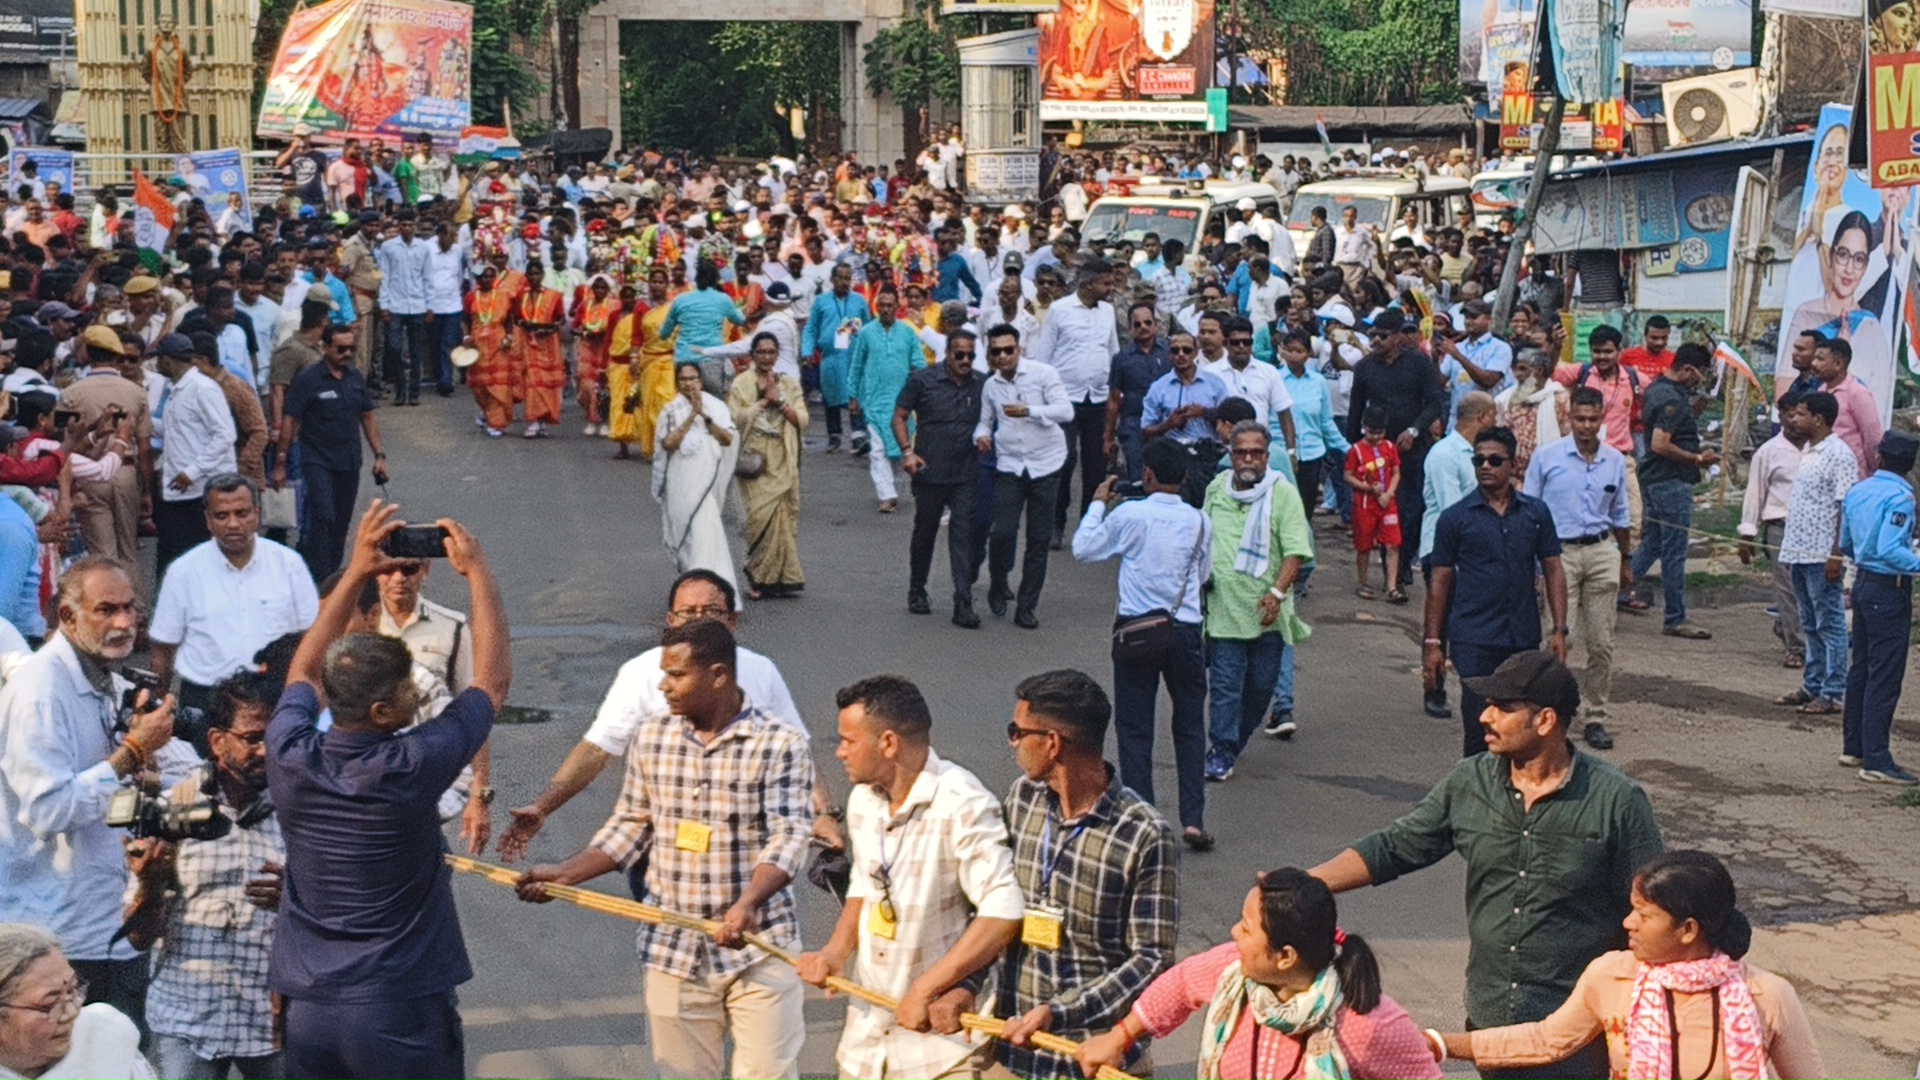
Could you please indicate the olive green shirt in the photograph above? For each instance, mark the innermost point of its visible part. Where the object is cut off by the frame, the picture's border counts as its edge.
(1233, 607)
(1546, 888)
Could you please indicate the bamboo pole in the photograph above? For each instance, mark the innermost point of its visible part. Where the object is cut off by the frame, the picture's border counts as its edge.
(634, 911)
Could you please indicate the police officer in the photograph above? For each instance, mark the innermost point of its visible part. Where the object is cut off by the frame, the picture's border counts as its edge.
(1876, 530)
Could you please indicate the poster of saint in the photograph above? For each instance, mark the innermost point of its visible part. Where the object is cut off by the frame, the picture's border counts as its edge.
(1127, 60)
(373, 68)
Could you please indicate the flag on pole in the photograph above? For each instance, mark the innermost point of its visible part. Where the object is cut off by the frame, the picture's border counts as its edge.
(1320, 126)
(152, 214)
(1724, 353)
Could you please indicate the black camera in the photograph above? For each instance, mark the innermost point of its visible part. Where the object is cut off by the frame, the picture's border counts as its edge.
(1130, 489)
(155, 817)
(142, 679)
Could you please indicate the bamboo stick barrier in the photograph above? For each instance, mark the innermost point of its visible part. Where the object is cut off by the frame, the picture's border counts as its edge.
(634, 911)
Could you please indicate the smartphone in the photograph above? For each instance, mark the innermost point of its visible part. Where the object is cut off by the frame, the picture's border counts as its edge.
(64, 417)
(417, 542)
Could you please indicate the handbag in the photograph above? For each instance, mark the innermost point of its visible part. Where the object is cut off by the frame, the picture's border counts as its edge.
(279, 509)
(1146, 638)
(750, 464)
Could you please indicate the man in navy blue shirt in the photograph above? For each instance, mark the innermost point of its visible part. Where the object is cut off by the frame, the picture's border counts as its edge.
(368, 950)
(1481, 603)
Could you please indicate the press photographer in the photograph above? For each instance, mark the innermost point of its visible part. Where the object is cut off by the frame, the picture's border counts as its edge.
(204, 903)
(66, 747)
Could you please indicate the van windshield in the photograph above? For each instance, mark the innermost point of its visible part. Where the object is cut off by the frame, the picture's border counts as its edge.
(1110, 223)
(1370, 209)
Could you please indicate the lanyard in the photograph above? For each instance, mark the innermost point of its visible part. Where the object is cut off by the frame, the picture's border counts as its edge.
(1050, 855)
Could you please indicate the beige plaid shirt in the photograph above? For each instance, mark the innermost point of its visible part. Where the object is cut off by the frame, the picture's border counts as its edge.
(942, 859)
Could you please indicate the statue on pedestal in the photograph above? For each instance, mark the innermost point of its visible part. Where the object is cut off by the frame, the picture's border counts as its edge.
(168, 70)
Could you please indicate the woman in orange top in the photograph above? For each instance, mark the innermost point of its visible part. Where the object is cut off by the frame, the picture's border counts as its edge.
(492, 378)
(623, 374)
(544, 369)
(593, 329)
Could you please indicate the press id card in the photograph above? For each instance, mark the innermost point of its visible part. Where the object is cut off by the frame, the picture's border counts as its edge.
(693, 836)
(879, 924)
(1041, 927)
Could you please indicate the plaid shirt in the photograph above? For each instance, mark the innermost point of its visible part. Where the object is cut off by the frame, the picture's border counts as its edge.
(944, 860)
(210, 970)
(753, 787)
(1116, 884)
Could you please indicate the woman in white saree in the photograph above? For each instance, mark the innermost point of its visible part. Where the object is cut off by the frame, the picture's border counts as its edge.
(690, 479)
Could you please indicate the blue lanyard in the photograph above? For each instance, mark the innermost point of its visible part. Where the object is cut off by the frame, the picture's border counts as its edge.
(1050, 855)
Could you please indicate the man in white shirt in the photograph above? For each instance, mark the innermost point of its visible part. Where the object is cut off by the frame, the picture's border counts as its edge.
(261, 310)
(1266, 293)
(403, 260)
(227, 598)
(932, 898)
(1077, 340)
(447, 266)
(1262, 387)
(62, 758)
(1354, 251)
(1763, 519)
(1023, 408)
(197, 442)
(635, 696)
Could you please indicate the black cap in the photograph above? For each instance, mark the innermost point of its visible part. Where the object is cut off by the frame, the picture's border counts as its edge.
(1533, 677)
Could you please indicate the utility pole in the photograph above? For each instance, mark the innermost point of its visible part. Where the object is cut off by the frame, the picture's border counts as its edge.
(1536, 190)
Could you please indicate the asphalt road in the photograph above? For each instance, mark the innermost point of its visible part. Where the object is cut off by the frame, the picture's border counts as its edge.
(575, 538)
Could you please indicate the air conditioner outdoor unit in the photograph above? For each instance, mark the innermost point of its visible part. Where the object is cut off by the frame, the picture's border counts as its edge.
(1724, 105)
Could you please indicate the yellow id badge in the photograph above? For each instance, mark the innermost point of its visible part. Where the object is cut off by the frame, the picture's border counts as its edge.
(693, 836)
(878, 924)
(1041, 929)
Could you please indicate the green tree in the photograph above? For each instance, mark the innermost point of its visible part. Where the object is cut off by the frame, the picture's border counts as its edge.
(1361, 52)
(680, 88)
(499, 74)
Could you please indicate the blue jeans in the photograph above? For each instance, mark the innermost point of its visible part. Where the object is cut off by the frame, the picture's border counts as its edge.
(1663, 540)
(1823, 618)
(174, 1057)
(446, 334)
(406, 344)
(1882, 620)
(1242, 680)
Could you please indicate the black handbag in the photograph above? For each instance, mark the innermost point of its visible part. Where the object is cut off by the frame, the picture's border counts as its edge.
(1145, 639)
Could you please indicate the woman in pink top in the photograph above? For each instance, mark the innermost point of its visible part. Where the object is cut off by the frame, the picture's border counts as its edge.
(1679, 1003)
(1291, 996)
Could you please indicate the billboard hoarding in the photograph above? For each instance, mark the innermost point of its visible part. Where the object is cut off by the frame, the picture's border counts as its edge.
(1662, 39)
(1893, 98)
(1110, 60)
(372, 68)
(48, 164)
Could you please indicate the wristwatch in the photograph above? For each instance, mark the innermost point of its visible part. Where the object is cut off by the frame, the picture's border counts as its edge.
(1563, 630)
(485, 796)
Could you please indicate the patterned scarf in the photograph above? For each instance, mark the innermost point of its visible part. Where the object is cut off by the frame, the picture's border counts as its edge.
(1311, 1013)
(1650, 1040)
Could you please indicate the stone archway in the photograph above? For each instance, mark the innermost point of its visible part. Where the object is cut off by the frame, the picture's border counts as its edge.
(870, 127)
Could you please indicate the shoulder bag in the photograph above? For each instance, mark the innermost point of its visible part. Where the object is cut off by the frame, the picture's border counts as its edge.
(1145, 638)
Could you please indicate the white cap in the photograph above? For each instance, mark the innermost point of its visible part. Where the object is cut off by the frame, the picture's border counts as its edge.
(752, 230)
(1239, 161)
(1376, 159)
(743, 207)
(1387, 151)
(1013, 211)
(699, 220)
(1244, 204)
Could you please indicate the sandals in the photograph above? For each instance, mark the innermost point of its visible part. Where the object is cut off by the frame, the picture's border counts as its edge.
(1819, 707)
(1795, 699)
(1365, 592)
(1396, 595)
(1200, 840)
(1634, 605)
(888, 506)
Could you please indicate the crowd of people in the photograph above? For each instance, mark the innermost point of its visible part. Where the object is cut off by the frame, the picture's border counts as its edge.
(229, 859)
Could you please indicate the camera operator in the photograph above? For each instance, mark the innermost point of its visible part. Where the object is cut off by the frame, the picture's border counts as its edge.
(206, 906)
(64, 752)
(367, 950)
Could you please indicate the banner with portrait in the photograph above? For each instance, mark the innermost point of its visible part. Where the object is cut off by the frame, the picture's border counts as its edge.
(1850, 261)
(372, 68)
(211, 176)
(1496, 44)
(1121, 60)
(48, 165)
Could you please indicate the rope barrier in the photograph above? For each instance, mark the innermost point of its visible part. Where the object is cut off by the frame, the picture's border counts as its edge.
(634, 911)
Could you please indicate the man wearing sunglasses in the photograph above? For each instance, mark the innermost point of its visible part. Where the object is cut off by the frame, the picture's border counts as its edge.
(1482, 606)
(932, 901)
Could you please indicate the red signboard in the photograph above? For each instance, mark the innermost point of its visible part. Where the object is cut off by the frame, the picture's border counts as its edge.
(1893, 118)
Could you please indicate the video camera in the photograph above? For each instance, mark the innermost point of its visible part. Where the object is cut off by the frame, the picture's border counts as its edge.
(156, 817)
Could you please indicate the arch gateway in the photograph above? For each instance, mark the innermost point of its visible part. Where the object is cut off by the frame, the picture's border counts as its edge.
(871, 127)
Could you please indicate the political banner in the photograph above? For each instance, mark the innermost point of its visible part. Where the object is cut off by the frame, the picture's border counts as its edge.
(211, 176)
(1893, 94)
(1662, 39)
(1585, 36)
(48, 165)
(372, 68)
(1114, 60)
(1496, 43)
(152, 214)
(1850, 260)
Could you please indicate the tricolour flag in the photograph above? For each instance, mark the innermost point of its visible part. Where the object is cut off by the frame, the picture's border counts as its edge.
(1320, 125)
(152, 214)
(1724, 353)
